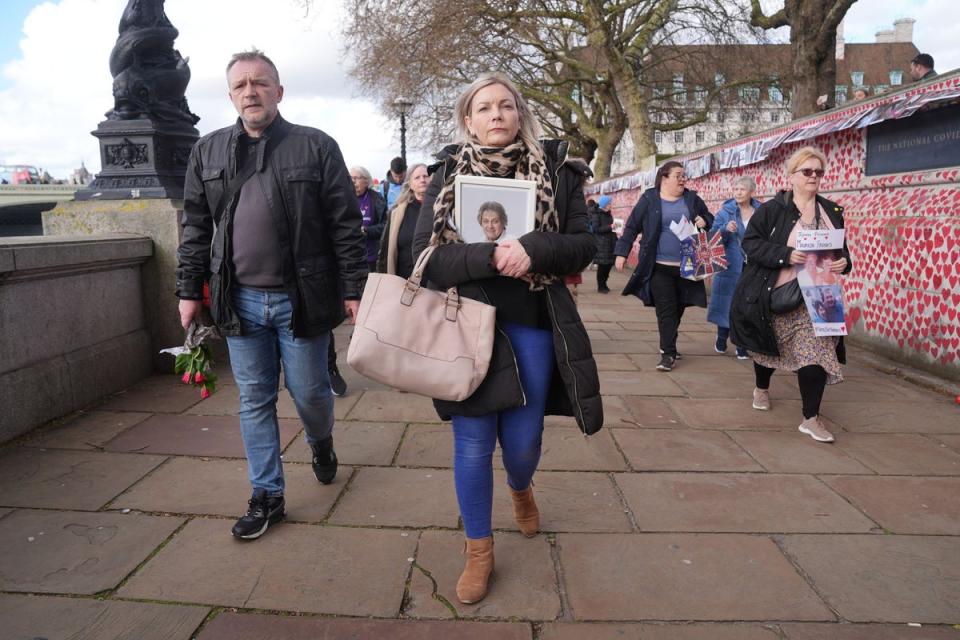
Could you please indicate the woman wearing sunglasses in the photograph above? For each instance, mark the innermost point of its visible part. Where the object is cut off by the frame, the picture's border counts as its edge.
(784, 339)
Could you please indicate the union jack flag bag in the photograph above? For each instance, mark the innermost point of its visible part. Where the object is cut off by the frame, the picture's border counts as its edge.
(702, 257)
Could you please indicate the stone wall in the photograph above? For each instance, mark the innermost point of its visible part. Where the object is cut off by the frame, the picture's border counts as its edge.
(903, 296)
(72, 324)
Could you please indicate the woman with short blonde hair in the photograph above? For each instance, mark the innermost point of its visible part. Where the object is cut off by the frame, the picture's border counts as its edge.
(781, 336)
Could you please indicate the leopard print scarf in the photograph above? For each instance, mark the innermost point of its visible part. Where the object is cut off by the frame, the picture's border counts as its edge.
(476, 160)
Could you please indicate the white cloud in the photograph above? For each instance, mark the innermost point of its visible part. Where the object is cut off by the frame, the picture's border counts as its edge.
(60, 86)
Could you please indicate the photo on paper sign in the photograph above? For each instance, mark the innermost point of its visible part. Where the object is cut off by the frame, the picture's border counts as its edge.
(821, 290)
(493, 209)
(825, 306)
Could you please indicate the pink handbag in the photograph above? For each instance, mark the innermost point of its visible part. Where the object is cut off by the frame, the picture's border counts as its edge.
(419, 340)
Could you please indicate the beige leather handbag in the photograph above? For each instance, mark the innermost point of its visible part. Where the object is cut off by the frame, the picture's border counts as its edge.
(419, 340)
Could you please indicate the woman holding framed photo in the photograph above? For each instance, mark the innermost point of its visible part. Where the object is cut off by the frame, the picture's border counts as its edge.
(542, 363)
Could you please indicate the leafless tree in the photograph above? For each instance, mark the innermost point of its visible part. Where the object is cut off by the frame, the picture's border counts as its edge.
(813, 38)
(587, 67)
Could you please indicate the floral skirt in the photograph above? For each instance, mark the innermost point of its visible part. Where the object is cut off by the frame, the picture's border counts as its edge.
(800, 347)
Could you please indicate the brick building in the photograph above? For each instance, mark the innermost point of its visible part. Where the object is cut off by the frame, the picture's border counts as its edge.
(751, 83)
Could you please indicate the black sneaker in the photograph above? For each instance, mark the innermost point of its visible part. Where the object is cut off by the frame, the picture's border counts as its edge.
(337, 384)
(324, 460)
(721, 346)
(676, 356)
(666, 363)
(603, 289)
(263, 512)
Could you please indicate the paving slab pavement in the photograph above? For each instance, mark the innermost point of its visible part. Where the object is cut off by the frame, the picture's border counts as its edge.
(881, 578)
(690, 516)
(31, 617)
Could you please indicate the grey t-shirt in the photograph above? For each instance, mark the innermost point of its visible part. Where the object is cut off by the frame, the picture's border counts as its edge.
(668, 248)
(256, 245)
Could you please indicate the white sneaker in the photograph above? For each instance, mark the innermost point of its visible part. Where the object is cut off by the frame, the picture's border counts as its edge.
(761, 399)
(815, 429)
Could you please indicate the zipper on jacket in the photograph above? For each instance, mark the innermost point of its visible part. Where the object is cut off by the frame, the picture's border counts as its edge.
(513, 354)
(566, 361)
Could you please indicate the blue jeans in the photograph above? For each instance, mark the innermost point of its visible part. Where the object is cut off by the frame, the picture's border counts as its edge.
(519, 430)
(255, 358)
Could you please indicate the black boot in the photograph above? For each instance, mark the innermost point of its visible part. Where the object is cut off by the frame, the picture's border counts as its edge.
(324, 460)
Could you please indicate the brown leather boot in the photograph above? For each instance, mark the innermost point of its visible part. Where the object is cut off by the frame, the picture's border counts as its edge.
(525, 511)
(472, 585)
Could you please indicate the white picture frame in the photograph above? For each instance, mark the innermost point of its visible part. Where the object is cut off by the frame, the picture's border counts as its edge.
(517, 197)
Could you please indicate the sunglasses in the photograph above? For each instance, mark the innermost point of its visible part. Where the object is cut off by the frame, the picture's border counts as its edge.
(809, 173)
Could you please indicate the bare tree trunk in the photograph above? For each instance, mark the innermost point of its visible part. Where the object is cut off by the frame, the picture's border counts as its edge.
(813, 37)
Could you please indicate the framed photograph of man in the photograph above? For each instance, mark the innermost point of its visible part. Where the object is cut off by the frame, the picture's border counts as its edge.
(493, 209)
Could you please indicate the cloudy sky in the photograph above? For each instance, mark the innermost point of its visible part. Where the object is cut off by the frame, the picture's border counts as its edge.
(55, 85)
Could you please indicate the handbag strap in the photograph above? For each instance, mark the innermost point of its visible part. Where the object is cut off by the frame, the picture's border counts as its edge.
(412, 286)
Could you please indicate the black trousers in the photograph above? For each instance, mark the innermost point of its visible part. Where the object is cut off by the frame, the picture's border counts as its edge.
(812, 379)
(603, 272)
(665, 287)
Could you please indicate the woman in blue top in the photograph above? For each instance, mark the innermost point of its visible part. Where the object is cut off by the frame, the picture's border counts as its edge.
(656, 280)
(731, 222)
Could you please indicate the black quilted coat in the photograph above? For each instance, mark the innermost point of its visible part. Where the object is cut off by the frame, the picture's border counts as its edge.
(575, 385)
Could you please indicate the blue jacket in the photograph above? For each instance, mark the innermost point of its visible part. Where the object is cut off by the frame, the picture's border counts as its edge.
(645, 219)
(725, 281)
(731, 240)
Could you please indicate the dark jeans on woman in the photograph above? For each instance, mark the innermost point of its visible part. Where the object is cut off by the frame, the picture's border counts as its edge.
(665, 287)
(603, 272)
(812, 379)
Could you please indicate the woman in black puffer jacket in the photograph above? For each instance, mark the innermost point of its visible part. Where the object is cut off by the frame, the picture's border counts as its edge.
(542, 362)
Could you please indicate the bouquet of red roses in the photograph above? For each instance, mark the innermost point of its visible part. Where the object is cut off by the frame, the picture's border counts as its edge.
(194, 359)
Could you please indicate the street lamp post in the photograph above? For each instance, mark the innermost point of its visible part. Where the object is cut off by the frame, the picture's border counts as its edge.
(402, 105)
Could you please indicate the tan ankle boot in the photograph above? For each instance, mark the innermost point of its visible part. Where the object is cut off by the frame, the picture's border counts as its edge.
(525, 511)
(472, 585)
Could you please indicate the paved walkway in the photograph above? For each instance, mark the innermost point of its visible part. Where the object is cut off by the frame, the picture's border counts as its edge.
(689, 516)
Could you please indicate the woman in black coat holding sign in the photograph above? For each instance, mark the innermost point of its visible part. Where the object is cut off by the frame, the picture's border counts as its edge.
(542, 362)
(786, 340)
(656, 280)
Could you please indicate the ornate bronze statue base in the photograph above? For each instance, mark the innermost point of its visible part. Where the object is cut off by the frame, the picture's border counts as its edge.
(141, 158)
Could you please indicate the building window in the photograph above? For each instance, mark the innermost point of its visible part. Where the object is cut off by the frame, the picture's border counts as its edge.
(721, 136)
(841, 93)
(750, 94)
(775, 94)
(701, 136)
(896, 78)
(721, 116)
(700, 95)
(719, 80)
(678, 136)
(881, 88)
(679, 94)
(657, 137)
(658, 93)
(774, 116)
(747, 116)
(856, 77)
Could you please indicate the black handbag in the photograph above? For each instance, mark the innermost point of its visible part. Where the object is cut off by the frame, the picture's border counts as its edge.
(786, 297)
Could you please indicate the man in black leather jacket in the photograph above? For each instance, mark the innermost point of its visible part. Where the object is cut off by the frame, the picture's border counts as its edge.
(270, 219)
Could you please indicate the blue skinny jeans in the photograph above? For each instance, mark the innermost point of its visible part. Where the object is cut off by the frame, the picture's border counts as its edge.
(519, 431)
